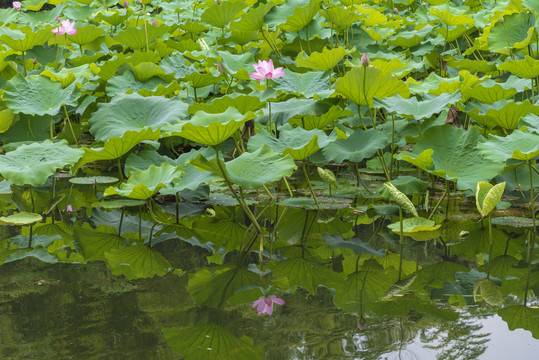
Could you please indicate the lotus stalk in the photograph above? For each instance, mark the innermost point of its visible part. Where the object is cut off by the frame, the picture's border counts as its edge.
(309, 183)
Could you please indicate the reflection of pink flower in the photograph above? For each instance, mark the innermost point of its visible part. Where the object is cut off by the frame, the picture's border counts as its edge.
(265, 304)
(17, 5)
(66, 28)
(265, 70)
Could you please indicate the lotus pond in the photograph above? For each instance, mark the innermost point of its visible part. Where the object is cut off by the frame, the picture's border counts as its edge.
(282, 179)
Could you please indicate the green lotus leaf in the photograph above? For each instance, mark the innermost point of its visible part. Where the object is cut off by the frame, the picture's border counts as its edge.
(96, 242)
(236, 64)
(137, 262)
(146, 70)
(253, 20)
(111, 17)
(339, 17)
(116, 146)
(135, 38)
(302, 16)
(251, 170)
(20, 218)
(487, 196)
(109, 68)
(126, 83)
(446, 15)
(519, 145)
(408, 185)
(452, 33)
(473, 66)
(373, 81)
(489, 91)
(418, 109)
(86, 34)
(242, 103)
(212, 129)
(308, 84)
(211, 342)
(504, 113)
(135, 113)
(7, 117)
(284, 110)
(521, 317)
(408, 39)
(143, 184)
(360, 145)
(356, 244)
(511, 32)
(454, 156)
(25, 38)
(298, 142)
(418, 228)
(513, 222)
(528, 68)
(198, 80)
(175, 64)
(310, 122)
(80, 74)
(118, 204)
(92, 180)
(220, 16)
(327, 176)
(323, 61)
(486, 289)
(38, 95)
(33, 164)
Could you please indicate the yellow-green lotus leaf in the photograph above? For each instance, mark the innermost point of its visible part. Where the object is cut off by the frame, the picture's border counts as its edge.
(528, 68)
(323, 61)
(21, 218)
(418, 228)
(487, 196)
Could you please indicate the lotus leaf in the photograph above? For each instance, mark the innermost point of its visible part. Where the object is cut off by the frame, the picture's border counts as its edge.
(487, 196)
(242, 103)
(175, 64)
(324, 61)
(512, 32)
(126, 83)
(25, 38)
(488, 291)
(92, 180)
(253, 20)
(310, 122)
(220, 16)
(20, 218)
(302, 16)
(406, 184)
(523, 317)
(284, 110)
(454, 156)
(371, 80)
(251, 170)
(38, 95)
(359, 146)
(86, 34)
(519, 145)
(527, 68)
(212, 129)
(143, 184)
(96, 242)
(135, 38)
(504, 113)
(418, 109)
(400, 198)
(211, 342)
(135, 113)
(298, 142)
(136, 262)
(112, 17)
(342, 18)
(33, 164)
(309, 84)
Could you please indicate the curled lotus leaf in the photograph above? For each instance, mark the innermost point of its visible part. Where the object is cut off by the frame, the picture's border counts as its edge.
(401, 199)
(487, 196)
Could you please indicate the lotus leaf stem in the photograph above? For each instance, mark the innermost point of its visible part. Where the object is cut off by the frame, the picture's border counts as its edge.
(51, 128)
(437, 205)
(359, 180)
(288, 186)
(151, 234)
(121, 222)
(401, 242)
(120, 172)
(491, 243)
(361, 117)
(71, 127)
(145, 28)
(309, 183)
(268, 192)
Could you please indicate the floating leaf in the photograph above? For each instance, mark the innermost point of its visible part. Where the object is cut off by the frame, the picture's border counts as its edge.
(96, 242)
(20, 218)
(521, 317)
(39, 160)
(136, 262)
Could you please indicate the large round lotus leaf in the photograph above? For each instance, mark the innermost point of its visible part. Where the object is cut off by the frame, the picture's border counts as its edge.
(38, 95)
(302, 16)
(25, 38)
(408, 39)
(307, 84)
(452, 154)
(117, 204)
(243, 103)
(360, 145)
(362, 84)
(451, 16)
(519, 145)
(116, 146)
(175, 64)
(512, 31)
(143, 184)
(236, 64)
(521, 317)
(86, 34)
(323, 61)
(254, 19)
(138, 261)
(251, 170)
(527, 68)
(33, 164)
(126, 83)
(418, 109)
(489, 91)
(418, 228)
(135, 38)
(92, 180)
(298, 142)
(21, 218)
(111, 18)
(134, 112)
(212, 129)
(340, 17)
(220, 16)
(486, 289)
(504, 113)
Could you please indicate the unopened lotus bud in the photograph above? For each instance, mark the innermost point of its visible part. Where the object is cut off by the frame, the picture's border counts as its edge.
(365, 60)
(220, 67)
(395, 11)
(57, 18)
(34, 61)
(126, 4)
(154, 22)
(501, 20)
(217, 3)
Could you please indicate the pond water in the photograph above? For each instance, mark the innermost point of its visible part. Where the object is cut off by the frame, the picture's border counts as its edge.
(131, 282)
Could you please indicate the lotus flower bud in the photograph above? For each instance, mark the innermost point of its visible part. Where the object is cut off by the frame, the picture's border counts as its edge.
(395, 11)
(126, 4)
(154, 22)
(57, 18)
(34, 61)
(17, 5)
(220, 67)
(217, 3)
(365, 60)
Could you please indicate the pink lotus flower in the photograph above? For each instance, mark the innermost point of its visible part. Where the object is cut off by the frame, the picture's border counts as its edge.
(68, 208)
(66, 28)
(126, 4)
(17, 5)
(265, 70)
(265, 304)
